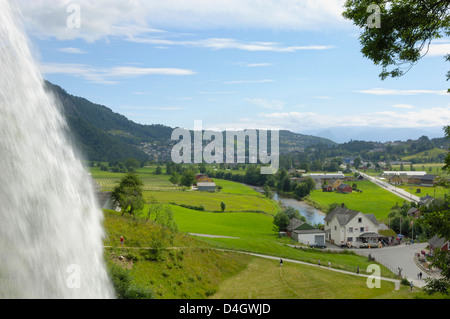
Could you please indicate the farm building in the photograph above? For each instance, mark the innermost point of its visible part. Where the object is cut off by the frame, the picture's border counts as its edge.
(423, 180)
(206, 186)
(344, 189)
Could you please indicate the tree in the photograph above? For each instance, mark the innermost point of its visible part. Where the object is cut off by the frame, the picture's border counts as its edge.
(128, 194)
(131, 164)
(158, 170)
(357, 162)
(202, 168)
(175, 178)
(281, 221)
(436, 217)
(222, 206)
(404, 34)
(187, 179)
(268, 191)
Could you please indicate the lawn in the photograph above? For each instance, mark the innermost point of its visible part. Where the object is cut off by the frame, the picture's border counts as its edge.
(246, 225)
(151, 181)
(264, 279)
(373, 199)
(212, 201)
(437, 191)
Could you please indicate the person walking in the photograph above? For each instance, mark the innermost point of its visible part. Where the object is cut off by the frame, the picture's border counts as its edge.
(281, 262)
(121, 241)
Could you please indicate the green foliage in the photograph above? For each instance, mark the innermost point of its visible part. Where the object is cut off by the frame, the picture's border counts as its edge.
(187, 179)
(281, 221)
(407, 29)
(124, 287)
(175, 178)
(128, 194)
(223, 206)
(158, 170)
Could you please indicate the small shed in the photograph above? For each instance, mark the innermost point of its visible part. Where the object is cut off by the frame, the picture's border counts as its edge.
(206, 186)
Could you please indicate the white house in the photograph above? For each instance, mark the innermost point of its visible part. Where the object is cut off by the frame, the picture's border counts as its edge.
(344, 226)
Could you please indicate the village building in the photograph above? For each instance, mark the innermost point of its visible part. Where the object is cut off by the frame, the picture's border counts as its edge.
(344, 226)
(395, 180)
(206, 186)
(403, 176)
(344, 189)
(335, 184)
(423, 180)
(439, 243)
(304, 233)
(324, 178)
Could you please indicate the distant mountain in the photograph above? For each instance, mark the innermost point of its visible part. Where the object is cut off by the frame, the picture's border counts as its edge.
(102, 135)
(376, 134)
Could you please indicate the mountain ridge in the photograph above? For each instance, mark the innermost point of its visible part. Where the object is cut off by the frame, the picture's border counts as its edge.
(103, 135)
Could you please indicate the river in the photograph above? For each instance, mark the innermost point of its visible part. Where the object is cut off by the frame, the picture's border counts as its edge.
(313, 216)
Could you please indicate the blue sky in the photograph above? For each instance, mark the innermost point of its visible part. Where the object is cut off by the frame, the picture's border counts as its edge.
(288, 64)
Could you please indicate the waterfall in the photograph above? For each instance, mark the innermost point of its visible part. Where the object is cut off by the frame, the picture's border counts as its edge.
(50, 224)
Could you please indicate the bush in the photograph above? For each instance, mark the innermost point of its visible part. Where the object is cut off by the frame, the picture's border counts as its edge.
(123, 284)
(136, 292)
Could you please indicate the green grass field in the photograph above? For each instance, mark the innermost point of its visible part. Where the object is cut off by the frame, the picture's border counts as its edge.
(437, 191)
(212, 201)
(248, 225)
(201, 269)
(264, 279)
(373, 199)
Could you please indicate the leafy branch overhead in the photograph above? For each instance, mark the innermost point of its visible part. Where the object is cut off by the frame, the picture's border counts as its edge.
(405, 32)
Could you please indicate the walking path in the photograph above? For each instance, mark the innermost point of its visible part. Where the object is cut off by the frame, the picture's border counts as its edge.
(395, 281)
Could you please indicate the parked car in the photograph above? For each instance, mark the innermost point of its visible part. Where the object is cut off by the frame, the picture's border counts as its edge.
(317, 245)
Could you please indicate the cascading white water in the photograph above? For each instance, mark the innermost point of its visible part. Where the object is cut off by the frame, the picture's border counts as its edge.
(50, 224)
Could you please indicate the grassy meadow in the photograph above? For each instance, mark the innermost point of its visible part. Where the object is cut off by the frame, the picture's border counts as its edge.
(294, 281)
(373, 199)
(186, 266)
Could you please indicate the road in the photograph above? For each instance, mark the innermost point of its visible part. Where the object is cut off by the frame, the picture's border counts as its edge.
(401, 256)
(395, 190)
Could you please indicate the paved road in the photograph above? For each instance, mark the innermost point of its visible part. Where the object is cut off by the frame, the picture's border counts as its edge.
(395, 190)
(401, 256)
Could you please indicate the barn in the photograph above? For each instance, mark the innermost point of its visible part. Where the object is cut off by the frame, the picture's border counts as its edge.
(344, 189)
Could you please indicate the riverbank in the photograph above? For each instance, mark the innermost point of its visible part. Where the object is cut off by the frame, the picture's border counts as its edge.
(313, 215)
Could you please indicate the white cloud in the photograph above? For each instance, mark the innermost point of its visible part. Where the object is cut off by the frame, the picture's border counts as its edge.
(126, 18)
(380, 91)
(303, 121)
(403, 106)
(250, 81)
(257, 65)
(228, 43)
(108, 75)
(440, 49)
(267, 104)
(72, 50)
(322, 97)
